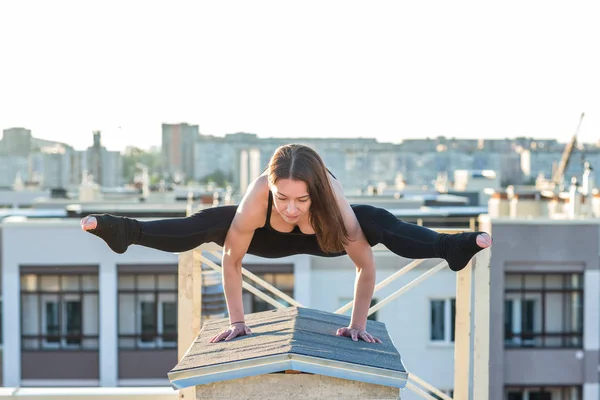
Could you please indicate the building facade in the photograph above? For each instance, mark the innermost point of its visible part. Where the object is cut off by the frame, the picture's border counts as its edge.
(178, 149)
(17, 142)
(545, 310)
(74, 313)
(76, 316)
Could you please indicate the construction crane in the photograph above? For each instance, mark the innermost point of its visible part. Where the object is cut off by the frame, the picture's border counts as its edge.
(559, 174)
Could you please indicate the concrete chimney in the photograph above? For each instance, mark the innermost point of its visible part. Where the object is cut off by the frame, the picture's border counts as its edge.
(588, 185)
(574, 206)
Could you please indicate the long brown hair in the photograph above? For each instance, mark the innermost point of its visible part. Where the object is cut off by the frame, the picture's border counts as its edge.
(301, 163)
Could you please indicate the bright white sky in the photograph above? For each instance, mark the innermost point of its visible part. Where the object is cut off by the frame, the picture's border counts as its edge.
(384, 69)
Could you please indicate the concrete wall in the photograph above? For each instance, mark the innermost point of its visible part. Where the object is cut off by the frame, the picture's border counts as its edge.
(294, 386)
(527, 367)
(146, 364)
(51, 365)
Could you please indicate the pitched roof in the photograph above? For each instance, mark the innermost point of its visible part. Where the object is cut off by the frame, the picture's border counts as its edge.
(300, 339)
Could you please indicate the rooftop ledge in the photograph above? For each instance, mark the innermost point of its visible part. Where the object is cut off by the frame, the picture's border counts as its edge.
(540, 221)
(98, 393)
(294, 339)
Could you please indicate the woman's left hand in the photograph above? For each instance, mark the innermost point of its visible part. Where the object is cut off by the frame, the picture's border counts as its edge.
(356, 334)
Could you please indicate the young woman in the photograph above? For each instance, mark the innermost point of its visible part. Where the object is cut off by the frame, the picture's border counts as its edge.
(295, 207)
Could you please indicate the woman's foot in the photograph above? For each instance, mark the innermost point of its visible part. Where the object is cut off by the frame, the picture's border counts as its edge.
(88, 223)
(117, 232)
(483, 240)
(458, 249)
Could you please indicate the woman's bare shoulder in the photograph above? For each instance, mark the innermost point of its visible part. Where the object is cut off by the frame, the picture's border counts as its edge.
(252, 209)
(336, 186)
(258, 190)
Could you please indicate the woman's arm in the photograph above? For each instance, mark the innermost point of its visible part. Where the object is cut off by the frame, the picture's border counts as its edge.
(235, 247)
(250, 216)
(361, 253)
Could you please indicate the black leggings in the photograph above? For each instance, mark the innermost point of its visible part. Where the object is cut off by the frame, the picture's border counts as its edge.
(211, 225)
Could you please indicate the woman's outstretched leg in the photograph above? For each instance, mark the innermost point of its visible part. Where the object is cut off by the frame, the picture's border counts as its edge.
(169, 234)
(417, 242)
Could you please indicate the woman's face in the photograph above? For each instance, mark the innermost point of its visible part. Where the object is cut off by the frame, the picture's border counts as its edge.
(291, 199)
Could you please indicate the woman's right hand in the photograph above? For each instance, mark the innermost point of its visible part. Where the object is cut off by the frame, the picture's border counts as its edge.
(234, 330)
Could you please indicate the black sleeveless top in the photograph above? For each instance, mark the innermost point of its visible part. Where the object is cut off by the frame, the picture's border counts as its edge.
(270, 243)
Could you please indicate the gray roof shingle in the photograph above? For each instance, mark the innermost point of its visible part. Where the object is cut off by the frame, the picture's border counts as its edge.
(293, 338)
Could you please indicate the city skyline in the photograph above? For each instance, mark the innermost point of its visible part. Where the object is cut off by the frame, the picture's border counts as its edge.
(81, 145)
(389, 71)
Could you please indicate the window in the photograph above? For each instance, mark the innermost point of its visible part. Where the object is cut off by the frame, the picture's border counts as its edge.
(543, 393)
(283, 281)
(443, 319)
(59, 311)
(62, 322)
(543, 310)
(343, 301)
(147, 310)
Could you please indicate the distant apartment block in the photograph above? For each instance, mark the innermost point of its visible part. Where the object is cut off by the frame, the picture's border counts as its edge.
(214, 154)
(355, 162)
(104, 166)
(52, 167)
(178, 145)
(362, 163)
(13, 168)
(536, 163)
(48, 164)
(16, 142)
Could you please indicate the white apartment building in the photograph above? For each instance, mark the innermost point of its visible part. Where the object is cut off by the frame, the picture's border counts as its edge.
(74, 313)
